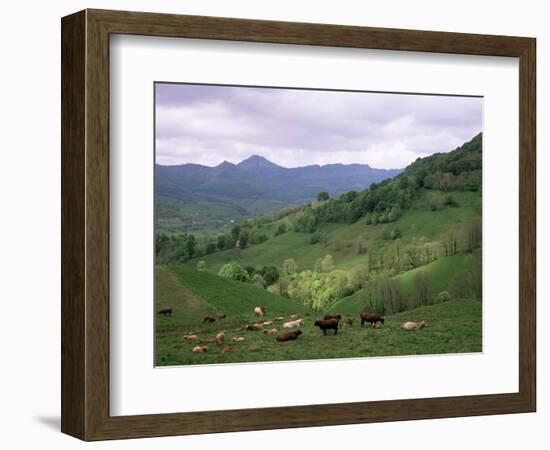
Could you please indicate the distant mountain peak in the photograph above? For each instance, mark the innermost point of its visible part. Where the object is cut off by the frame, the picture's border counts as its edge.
(225, 164)
(256, 162)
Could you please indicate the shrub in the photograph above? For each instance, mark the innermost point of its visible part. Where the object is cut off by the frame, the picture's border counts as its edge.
(443, 296)
(234, 271)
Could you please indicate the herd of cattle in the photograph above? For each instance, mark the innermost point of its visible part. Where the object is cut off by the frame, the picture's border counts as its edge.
(329, 322)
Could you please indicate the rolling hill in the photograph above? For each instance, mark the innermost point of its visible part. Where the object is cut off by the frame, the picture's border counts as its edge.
(408, 247)
(195, 197)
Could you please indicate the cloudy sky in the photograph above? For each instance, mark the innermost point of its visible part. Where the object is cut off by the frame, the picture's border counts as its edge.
(292, 127)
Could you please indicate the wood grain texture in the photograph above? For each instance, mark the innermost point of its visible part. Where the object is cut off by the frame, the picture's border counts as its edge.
(85, 224)
(73, 226)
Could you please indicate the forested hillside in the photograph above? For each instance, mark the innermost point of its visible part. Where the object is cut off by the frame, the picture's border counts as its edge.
(411, 240)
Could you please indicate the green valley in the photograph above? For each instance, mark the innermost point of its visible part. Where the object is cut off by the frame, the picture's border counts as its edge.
(407, 248)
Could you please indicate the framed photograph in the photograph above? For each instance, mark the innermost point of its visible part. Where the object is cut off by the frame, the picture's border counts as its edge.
(272, 225)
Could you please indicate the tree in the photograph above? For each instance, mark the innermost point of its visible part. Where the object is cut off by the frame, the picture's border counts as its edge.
(323, 196)
(243, 239)
(458, 286)
(258, 281)
(395, 213)
(201, 265)
(190, 246)
(235, 232)
(361, 245)
(270, 274)
(422, 289)
(289, 267)
(281, 229)
(233, 271)
(327, 263)
(474, 273)
(395, 234)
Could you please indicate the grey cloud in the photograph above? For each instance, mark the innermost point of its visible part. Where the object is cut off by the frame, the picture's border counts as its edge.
(209, 124)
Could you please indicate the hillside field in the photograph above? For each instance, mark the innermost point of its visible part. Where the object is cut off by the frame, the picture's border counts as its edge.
(454, 326)
(416, 223)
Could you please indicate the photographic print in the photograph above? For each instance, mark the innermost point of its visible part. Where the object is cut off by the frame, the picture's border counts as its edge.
(299, 224)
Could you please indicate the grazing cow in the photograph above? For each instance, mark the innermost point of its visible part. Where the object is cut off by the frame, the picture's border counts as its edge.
(269, 322)
(237, 339)
(413, 326)
(220, 337)
(349, 321)
(166, 312)
(294, 316)
(259, 311)
(253, 327)
(293, 323)
(327, 324)
(228, 348)
(332, 316)
(200, 349)
(370, 317)
(221, 317)
(208, 319)
(272, 331)
(279, 319)
(291, 336)
(191, 337)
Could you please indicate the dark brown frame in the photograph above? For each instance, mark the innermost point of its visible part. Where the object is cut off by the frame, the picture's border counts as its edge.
(85, 224)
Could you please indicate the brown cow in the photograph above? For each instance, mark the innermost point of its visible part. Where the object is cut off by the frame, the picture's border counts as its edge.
(329, 324)
(166, 312)
(371, 317)
(208, 319)
(253, 327)
(221, 317)
(291, 336)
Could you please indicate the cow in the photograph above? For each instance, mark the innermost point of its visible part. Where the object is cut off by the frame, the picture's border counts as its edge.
(413, 326)
(166, 312)
(327, 324)
(259, 311)
(370, 317)
(220, 337)
(291, 336)
(293, 323)
(208, 319)
(200, 349)
(272, 331)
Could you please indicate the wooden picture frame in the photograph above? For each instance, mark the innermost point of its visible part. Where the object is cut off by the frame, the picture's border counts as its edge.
(85, 224)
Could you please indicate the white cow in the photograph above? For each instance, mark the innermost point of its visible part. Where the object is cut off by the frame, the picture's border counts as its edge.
(413, 326)
(293, 323)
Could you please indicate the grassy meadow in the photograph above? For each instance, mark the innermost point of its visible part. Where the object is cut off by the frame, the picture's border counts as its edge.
(453, 326)
(407, 248)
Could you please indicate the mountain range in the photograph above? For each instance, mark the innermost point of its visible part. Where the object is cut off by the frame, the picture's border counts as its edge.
(193, 196)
